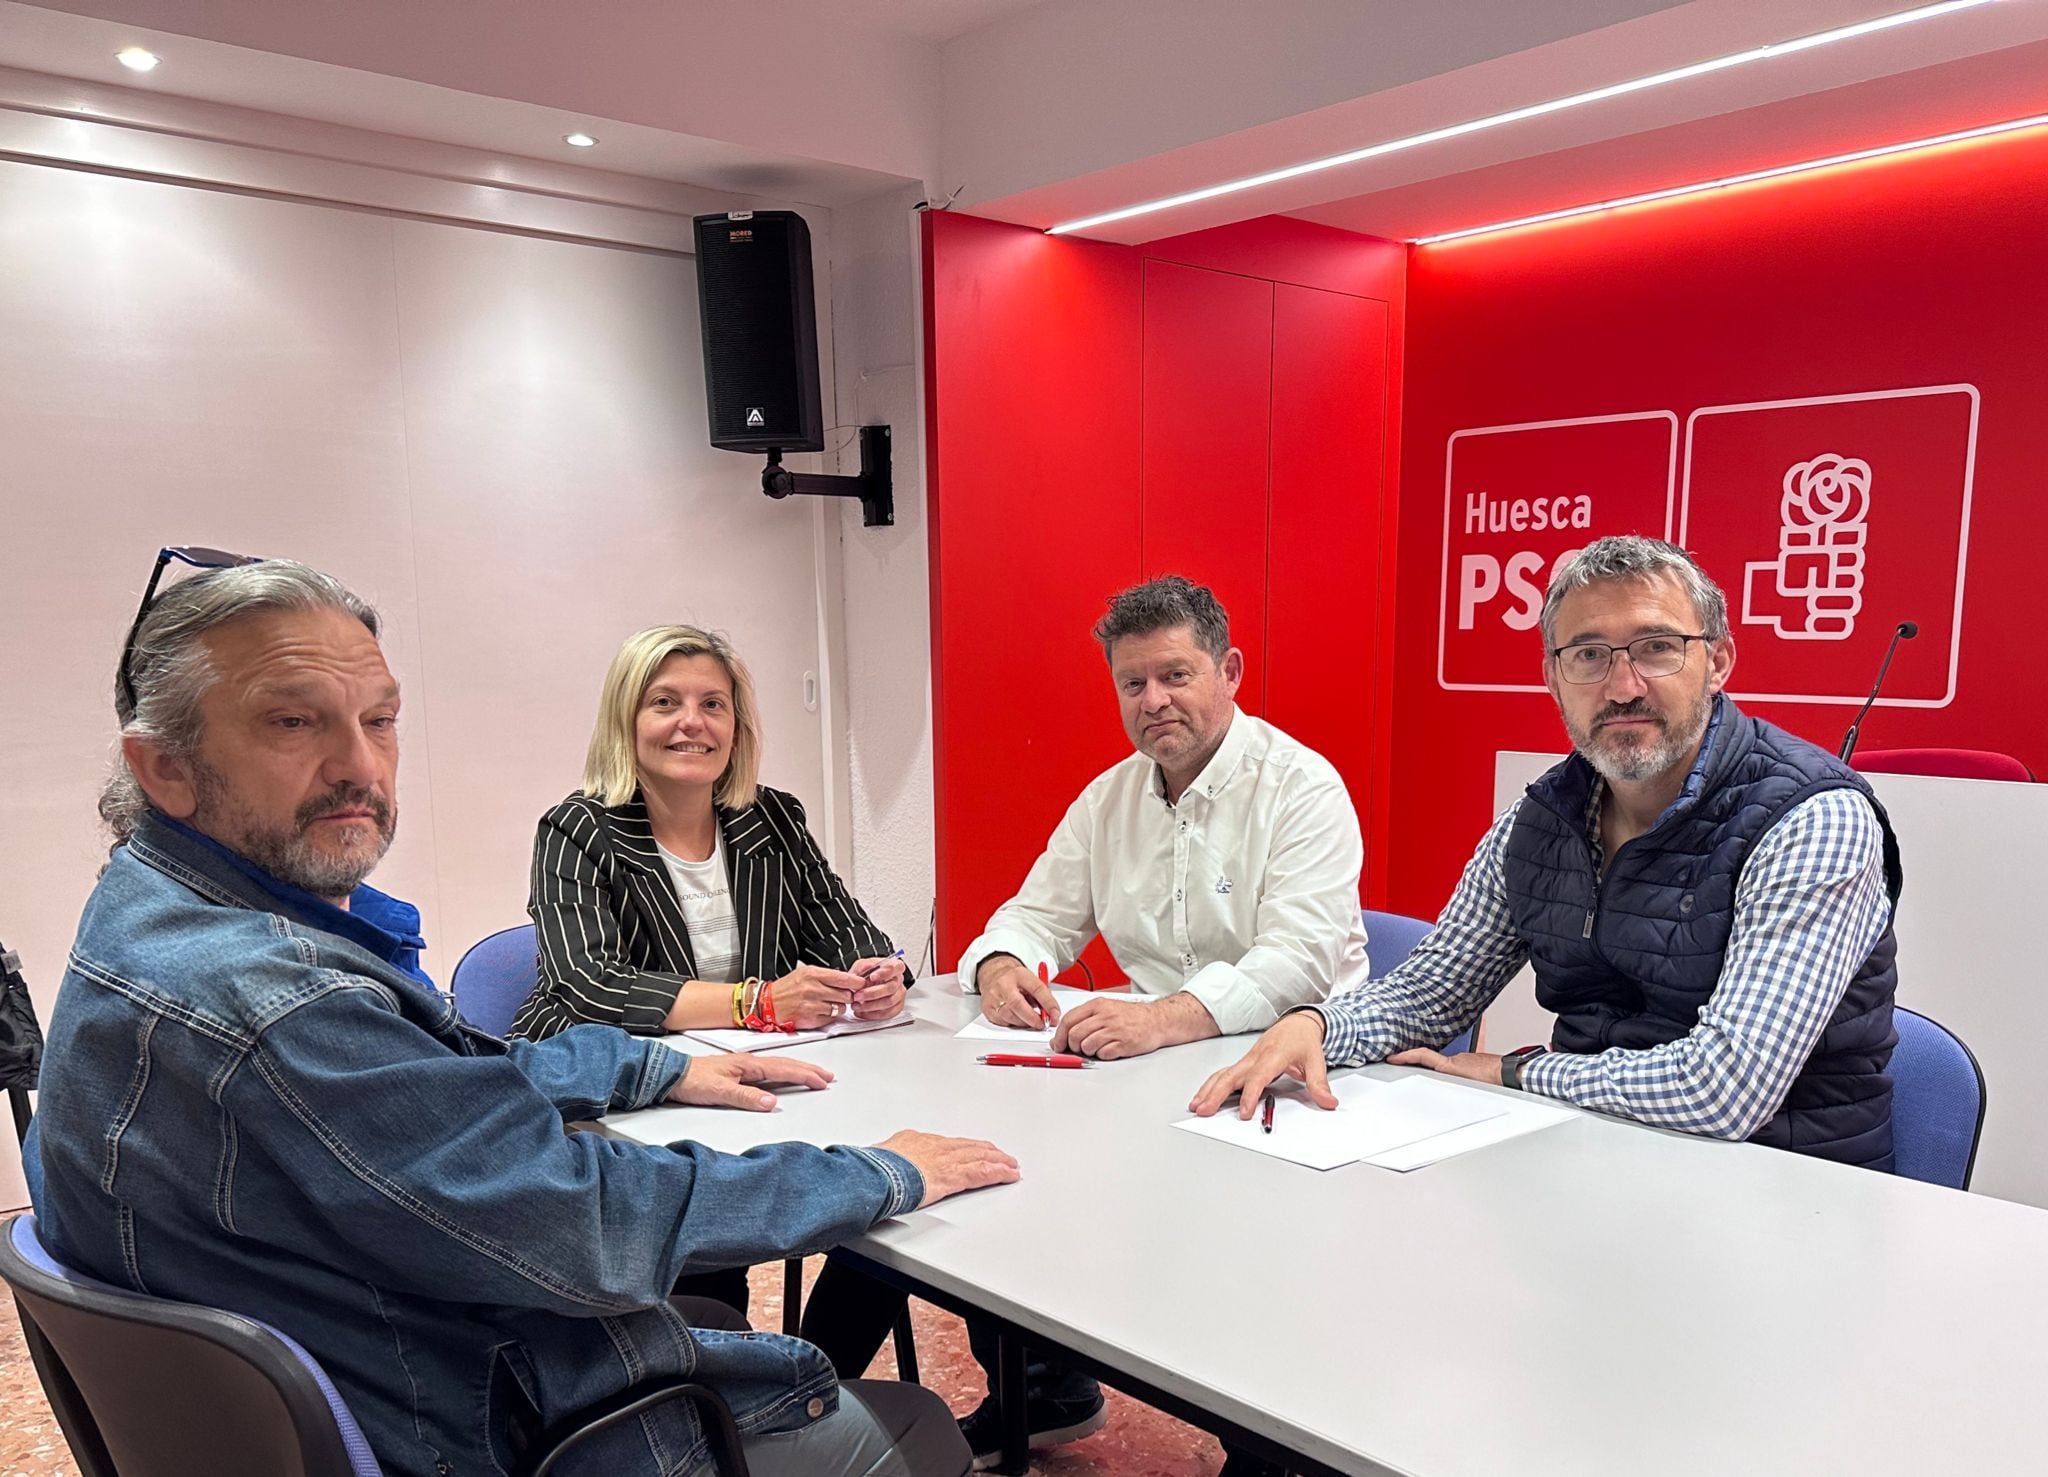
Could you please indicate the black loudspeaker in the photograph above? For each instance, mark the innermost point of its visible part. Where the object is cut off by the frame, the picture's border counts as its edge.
(760, 331)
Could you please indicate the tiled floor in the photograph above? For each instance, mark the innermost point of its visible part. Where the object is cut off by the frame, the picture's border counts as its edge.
(30, 1443)
(1137, 1442)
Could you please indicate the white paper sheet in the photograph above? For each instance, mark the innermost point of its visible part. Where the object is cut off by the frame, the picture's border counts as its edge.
(744, 1040)
(981, 1028)
(1516, 1119)
(1372, 1118)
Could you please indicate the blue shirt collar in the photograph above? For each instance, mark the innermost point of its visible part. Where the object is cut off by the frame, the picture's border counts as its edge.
(1696, 777)
(386, 926)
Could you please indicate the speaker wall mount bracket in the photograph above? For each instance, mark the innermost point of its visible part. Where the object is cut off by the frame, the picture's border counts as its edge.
(872, 486)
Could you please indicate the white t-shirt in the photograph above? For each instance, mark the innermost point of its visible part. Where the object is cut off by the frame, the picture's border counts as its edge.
(705, 891)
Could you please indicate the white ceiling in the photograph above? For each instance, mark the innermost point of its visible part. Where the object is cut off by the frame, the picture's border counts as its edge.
(1044, 110)
(746, 96)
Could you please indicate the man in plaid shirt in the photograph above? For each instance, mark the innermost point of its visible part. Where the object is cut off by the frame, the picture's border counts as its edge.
(1705, 898)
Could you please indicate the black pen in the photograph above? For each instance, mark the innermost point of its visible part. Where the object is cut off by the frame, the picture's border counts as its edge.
(1266, 1114)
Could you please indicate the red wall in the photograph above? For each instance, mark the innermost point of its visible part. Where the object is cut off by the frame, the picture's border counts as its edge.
(1921, 270)
(1218, 405)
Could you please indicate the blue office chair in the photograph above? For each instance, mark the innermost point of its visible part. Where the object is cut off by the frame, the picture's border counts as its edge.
(146, 1387)
(1389, 939)
(1937, 1103)
(142, 1386)
(494, 978)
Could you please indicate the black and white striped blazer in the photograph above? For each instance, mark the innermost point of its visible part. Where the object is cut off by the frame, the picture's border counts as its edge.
(612, 941)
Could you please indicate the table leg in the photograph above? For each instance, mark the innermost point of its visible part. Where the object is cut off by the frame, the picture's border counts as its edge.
(906, 1346)
(1011, 1402)
(792, 1294)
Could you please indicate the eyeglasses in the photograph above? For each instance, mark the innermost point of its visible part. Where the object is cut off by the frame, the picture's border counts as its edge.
(1651, 656)
(199, 557)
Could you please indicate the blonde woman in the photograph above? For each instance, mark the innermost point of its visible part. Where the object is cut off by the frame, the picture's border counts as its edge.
(673, 891)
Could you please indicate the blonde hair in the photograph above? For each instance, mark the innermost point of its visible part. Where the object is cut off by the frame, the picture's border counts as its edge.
(611, 774)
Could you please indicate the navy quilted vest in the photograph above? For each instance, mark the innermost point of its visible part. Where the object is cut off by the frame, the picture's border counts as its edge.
(1628, 960)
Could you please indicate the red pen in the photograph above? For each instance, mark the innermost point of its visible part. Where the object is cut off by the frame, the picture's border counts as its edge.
(1266, 1114)
(1011, 1059)
(1044, 978)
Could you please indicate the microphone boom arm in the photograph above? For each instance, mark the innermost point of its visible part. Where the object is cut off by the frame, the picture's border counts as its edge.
(1906, 632)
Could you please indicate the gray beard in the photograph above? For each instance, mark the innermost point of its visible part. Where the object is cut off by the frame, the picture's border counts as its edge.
(1641, 762)
(288, 854)
(1646, 761)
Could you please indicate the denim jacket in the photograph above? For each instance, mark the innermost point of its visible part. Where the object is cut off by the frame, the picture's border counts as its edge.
(242, 1109)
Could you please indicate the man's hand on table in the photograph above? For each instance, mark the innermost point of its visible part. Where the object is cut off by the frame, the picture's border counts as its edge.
(1110, 1027)
(1012, 995)
(951, 1165)
(1292, 1047)
(736, 1080)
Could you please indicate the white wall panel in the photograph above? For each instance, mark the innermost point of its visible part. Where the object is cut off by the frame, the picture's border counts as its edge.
(887, 674)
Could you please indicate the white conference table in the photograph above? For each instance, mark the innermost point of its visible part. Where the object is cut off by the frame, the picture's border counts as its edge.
(1595, 1298)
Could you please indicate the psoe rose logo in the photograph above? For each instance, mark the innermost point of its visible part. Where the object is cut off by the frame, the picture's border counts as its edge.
(1817, 578)
(1829, 519)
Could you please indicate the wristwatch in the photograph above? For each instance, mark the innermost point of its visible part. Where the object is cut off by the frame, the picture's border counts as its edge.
(1511, 1065)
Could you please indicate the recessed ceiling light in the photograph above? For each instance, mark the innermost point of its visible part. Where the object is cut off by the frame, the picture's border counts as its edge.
(137, 58)
(1754, 176)
(1517, 115)
(579, 140)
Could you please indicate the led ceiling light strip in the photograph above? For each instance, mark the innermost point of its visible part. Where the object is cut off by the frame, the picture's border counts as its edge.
(1776, 172)
(1516, 115)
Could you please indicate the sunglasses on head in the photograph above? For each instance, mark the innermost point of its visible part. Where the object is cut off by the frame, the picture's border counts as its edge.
(199, 557)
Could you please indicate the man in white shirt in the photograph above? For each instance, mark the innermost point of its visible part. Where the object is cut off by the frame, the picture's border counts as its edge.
(1219, 863)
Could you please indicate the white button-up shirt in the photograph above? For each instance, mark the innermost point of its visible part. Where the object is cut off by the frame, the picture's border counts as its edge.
(1245, 894)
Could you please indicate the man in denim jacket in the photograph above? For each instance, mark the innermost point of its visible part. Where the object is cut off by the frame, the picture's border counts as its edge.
(254, 1099)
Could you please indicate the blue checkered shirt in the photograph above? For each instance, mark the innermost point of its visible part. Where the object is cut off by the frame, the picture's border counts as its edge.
(1809, 907)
